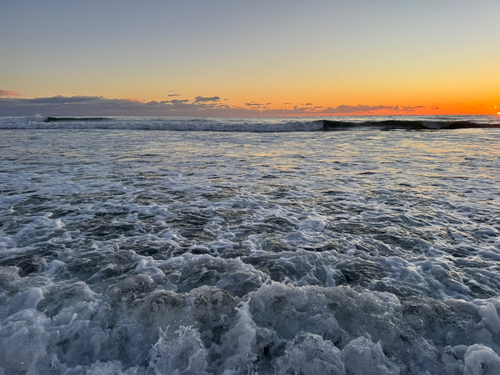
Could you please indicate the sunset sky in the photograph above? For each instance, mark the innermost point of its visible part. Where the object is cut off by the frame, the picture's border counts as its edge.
(235, 58)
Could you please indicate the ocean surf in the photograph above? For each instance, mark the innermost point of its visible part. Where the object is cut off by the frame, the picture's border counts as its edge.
(267, 246)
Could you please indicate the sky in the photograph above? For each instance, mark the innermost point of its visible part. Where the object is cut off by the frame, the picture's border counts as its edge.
(249, 58)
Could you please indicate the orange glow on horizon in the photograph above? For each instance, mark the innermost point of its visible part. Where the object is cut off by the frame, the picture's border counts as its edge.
(304, 103)
(408, 110)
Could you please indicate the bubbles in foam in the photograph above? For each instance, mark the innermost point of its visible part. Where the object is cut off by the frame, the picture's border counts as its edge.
(182, 352)
(155, 252)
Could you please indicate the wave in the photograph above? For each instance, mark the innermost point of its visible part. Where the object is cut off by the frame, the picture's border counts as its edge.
(329, 125)
(73, 119)
(261, 125)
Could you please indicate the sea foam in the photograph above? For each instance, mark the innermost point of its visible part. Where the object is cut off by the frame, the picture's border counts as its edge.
(165, 252)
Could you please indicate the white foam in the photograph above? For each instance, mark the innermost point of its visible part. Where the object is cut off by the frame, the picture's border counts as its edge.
(481, 360)
(180, 353)
(310, 354)
(150, 252)
(362, 356)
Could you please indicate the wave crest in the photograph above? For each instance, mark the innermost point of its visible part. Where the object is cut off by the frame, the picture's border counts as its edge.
(256, 125)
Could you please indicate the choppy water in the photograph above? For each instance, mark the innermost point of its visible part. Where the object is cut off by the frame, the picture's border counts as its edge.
(162, 252)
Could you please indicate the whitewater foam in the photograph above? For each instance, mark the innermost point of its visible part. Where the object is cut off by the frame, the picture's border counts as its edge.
(146, 252)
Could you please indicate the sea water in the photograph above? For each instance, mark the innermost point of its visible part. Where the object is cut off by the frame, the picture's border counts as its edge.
(269, 246)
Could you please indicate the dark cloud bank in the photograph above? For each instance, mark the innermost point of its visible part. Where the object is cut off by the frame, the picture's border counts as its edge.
(10, 105)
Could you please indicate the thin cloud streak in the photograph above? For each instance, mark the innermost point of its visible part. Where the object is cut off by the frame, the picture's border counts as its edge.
(205, 99)
(7, 93)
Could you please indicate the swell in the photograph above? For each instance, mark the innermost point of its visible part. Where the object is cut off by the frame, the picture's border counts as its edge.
(329, 125)
(244, 125)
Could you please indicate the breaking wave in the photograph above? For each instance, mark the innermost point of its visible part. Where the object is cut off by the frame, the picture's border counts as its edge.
(255, 125)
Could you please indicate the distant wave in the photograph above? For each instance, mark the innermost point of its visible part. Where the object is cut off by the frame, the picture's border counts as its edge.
(255, 125)
(74, 119)
(329, 125)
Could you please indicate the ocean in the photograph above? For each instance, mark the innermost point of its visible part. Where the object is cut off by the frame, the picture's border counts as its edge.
(347, 245)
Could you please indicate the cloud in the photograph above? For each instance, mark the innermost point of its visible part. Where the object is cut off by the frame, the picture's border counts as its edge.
(101, 106)
(307, 109)
(203, 99)
(257, 106)
(344, 109)
(173, 95)
(63, 100)
(7, 93)
(173, 101)
(199, 106)
(368, 109)
(411, 108)
(70, 106)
